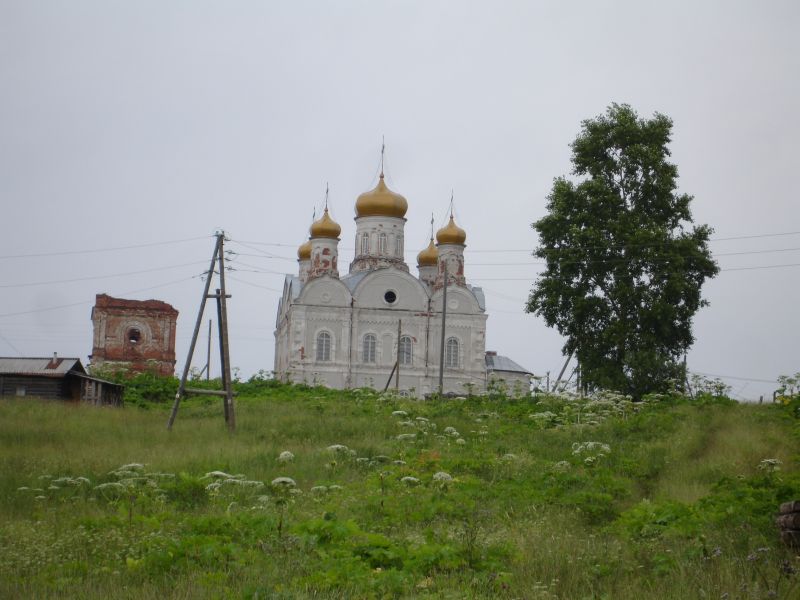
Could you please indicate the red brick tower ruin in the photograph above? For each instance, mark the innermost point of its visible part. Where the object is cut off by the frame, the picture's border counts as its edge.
(134, 335)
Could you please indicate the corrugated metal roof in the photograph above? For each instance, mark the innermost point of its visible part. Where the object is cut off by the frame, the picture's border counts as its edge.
(495, 362)
(43, 367)
(297, 285)
(353, 279)
(478, 293)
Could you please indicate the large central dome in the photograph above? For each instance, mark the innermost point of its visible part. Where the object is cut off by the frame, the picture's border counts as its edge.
(381, 202)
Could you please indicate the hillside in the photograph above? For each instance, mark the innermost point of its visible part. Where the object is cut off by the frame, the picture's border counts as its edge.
(324, 493)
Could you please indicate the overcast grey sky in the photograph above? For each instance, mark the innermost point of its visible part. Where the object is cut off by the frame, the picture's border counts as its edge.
(129, 123)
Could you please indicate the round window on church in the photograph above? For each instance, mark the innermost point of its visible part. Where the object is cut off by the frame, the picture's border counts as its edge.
(390, 297)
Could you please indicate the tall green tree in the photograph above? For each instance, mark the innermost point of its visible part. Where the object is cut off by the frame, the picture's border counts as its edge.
(624, 263)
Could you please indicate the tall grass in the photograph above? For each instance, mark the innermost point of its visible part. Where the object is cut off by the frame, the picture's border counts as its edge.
(672, 510)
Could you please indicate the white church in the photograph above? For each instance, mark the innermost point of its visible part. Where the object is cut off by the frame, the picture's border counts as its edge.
(379, 324)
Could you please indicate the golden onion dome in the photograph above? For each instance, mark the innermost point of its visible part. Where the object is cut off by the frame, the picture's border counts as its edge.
(429, 256)
(304, 251)
(325, 227)
(451, 234)
(381, 202)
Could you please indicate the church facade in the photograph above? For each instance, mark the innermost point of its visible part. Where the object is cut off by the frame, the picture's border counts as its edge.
(379, 323)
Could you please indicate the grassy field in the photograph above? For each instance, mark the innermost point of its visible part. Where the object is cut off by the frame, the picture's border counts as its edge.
(385, 497)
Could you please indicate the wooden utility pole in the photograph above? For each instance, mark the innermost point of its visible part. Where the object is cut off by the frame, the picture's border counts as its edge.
(561, 374)
(222, 309)
(208, 353)
(444, 320)
(222, 313)
(397, 371)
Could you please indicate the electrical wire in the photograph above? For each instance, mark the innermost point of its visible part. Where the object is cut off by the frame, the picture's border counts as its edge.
(715, 255)
(735, 377)
(726, 269)
(97, 250)
(85, 302)
(32, 284)
(620, 246)
(263, 287)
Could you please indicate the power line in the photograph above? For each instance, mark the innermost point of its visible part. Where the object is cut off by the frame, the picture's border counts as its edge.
(715, 255)
(97, 250)
(737, 378)
(32, 284)
(263, 287)
(263, 253)
(620, 246)
(727, 269)
(761, 267)
(85, 302)
(12, 346)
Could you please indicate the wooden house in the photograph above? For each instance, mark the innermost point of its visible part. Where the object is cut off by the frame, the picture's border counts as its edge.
(56, 378)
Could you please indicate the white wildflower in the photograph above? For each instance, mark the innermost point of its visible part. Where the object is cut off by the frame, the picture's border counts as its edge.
(399, 463)
(509, 457)
(319, 489)
(399, 413)
(451, 431)
(442, 477)
(561, 466)
(221, 475)
(770, 465)
(132, 467)
(338, 448)
(461, 441)
(285, 457)
(283, 482)
(410, 481)
(406, 437)
(112, 485)
(597, 448)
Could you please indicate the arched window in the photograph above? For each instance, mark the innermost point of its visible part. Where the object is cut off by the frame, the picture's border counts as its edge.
(364, 243)
(451, 353)
(382, 243)
(398, 250)
(405, 351)
(370, 341)
(323, 346)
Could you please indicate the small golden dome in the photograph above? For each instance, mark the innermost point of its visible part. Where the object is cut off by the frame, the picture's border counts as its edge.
(325, 227)
(451, 234)
(381, 202)
(429, 256)
(304, 251)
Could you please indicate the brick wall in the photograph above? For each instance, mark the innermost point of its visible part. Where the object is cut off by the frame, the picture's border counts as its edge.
(137, 335)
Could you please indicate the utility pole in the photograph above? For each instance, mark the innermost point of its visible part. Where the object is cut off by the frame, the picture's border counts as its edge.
(208, 353)
(444, 320)
(397, 372)
(222, 307)
(561, 374)
(222, 312)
